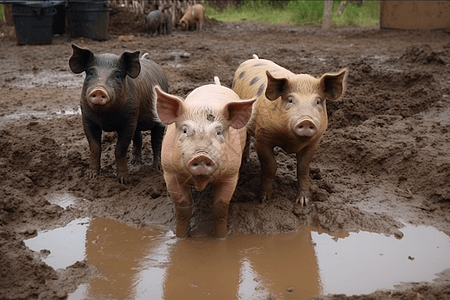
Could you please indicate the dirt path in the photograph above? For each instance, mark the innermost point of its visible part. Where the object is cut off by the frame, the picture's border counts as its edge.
(384, 161)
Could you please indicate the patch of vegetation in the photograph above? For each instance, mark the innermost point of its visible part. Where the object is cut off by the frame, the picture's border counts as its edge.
(297, 12)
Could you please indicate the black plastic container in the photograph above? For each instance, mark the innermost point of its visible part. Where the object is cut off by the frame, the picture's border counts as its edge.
(88, 19)
(59, 19)
(34, 22)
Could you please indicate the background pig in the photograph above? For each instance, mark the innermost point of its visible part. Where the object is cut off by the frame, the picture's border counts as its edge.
(193, 16)
(117, 95)
(203, 144)
(154, 22)
(290, 112)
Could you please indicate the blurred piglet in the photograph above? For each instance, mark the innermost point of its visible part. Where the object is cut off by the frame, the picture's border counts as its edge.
(194, 16)
(203, 144)
(154, 23)
(118, 96)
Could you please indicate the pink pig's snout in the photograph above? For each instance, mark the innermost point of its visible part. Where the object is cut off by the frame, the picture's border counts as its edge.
(201, 165)
(305, 128)
(98, 96)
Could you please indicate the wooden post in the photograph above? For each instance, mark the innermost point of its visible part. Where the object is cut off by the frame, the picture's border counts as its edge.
(341, 7)
(7, 14)
(326, 23)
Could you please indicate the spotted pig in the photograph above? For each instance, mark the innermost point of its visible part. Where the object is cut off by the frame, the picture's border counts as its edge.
(290, 112)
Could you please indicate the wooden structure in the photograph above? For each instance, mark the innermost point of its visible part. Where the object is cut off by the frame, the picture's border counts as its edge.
(415, 14)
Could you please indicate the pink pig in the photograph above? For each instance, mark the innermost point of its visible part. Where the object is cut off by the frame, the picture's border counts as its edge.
(203, 144)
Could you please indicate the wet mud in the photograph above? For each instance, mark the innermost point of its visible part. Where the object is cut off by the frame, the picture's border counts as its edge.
(382, 166)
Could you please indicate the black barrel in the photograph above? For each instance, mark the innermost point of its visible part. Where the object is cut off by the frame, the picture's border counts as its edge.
(88, 18)
(34, 22)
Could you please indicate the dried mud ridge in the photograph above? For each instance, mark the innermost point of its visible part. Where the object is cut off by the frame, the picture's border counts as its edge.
(383, 161)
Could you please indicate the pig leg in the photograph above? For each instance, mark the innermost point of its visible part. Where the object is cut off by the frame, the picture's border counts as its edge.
(122, 145)
(137, 148)
(182, 197)
(246, 152)
(94, 136)
(157, 136)
(303, 160)
(268, 170)
(223, 191)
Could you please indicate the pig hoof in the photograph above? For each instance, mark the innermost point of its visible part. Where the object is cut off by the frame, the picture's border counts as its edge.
(157, 166)
(122, 179)
(92, 174)
(303, 198)
(264, 198)
(135, 160)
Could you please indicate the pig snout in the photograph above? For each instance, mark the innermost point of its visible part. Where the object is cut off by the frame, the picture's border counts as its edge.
(305, 128)
(98, 96)
(202, 165)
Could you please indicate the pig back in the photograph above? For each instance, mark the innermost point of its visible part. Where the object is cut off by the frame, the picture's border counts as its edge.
(151, 75)
(250, 78)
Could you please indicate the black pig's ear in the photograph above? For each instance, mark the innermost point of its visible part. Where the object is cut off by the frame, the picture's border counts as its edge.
(129, 61)
(80, 59)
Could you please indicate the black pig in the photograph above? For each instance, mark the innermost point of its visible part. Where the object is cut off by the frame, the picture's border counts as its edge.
(117, 95)
(154, 23)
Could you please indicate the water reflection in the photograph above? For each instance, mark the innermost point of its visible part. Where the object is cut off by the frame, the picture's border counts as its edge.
(148, 263)
(66, 244)
(126, 257)
(243, 267)
(365, 261)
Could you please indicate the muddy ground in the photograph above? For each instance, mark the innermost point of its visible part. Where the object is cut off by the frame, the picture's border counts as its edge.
(384, 160)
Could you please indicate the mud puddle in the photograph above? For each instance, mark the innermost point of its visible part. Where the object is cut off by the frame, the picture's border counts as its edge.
(47, 78)
(150, 263)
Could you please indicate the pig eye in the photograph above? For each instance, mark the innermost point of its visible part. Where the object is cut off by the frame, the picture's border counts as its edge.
(185, 131)
(90, 73)
(318, 101)
(219, 134)
(289, 102)
(118, 75)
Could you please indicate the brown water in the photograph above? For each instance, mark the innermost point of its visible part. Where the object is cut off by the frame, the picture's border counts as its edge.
(148, 263)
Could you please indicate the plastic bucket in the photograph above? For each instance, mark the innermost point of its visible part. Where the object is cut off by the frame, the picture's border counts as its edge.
(88, 19)
(34, 23)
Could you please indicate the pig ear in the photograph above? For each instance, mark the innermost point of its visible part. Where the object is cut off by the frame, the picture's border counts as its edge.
(238, 112)
(80, 59)
(129, 61)
(333, 85)
(168, 107)
(275, 86)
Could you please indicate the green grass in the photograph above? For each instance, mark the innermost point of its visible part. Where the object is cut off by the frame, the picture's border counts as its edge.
(296, 12)
(1, 12)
